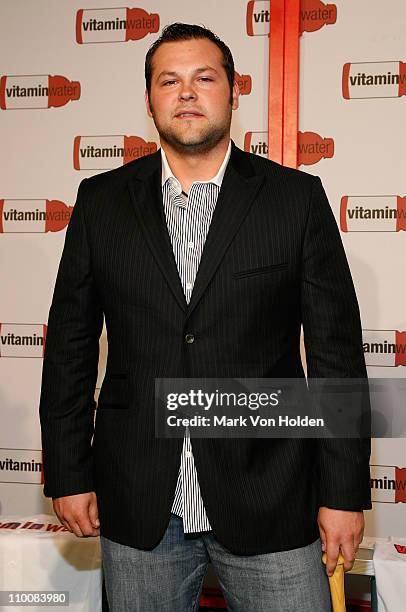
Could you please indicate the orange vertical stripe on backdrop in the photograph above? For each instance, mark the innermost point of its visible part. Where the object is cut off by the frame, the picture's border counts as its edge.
(283, 81)
(291, 83)
(275, 83)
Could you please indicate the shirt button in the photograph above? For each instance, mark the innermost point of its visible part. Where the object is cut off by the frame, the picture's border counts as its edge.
(191, 245)
(188, 285)
(188, 453)
(189, 338)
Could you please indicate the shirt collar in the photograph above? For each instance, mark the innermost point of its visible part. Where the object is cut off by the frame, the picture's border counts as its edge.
(217, 180)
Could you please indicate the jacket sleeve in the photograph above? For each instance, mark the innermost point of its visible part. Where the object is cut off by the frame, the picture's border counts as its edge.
(333, 344)
(70, 365)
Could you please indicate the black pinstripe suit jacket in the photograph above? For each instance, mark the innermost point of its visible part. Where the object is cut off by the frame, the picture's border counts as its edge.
(273, 259)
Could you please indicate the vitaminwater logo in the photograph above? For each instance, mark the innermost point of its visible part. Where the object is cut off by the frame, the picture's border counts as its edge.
(311, 148)
(33, 216)
(104, 152)
(21, 465)
(384, 347)
(388, 484)
(244, 83)
(37, 91)
(258, 18)
(256, 143)
(374, 80)
(315, 14)
(114, 25)
(373, 213)
(22, 339)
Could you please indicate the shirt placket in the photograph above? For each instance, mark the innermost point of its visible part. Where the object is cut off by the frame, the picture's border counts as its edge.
(190, 212)
(191, 254)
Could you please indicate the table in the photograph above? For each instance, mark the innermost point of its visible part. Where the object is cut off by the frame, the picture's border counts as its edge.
(39, 554)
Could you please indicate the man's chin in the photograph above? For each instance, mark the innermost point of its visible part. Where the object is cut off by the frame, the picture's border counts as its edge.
(193, 144)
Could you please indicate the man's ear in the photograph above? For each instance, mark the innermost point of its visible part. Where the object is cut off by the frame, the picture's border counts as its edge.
(235, 95)
(147, 104)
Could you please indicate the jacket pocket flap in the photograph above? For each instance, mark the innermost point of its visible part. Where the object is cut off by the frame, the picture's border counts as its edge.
(261, 269)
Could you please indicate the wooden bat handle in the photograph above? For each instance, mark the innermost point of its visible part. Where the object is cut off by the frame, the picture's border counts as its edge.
(337, 584)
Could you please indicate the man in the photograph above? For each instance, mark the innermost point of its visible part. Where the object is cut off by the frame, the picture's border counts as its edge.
(205, 261)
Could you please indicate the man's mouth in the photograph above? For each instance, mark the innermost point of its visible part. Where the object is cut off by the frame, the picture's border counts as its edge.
(188, 115)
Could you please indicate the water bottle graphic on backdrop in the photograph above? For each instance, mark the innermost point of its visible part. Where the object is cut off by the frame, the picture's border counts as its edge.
(256, 143)
(373, 213)
(257, 18)
(114, 24)
(388, 484)
(244, 83)
(22, 339)
(312, 148)
(37, 91)
(33, 216)
(384, 347)
(374, 80)
(314, 14)
(104, 152)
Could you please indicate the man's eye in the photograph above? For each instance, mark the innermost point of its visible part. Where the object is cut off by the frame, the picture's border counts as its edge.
(169, 82)
(206, 79)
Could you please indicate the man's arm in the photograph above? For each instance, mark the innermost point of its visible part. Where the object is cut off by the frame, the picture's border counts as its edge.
(70, 366)
(333, 343)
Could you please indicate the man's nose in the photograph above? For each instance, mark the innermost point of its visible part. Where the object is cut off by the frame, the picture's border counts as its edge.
(187, 92)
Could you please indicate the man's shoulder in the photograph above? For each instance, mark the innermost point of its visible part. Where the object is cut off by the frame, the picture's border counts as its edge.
(275, 171)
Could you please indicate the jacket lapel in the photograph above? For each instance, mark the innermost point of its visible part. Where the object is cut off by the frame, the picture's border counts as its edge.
(238, 190)
(146, 193)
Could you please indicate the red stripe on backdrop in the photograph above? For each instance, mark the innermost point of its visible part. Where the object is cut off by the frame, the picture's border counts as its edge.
(275, 84)
(283, 81)
(291, 83)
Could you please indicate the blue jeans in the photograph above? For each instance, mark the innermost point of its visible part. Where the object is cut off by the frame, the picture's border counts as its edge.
(169, 578)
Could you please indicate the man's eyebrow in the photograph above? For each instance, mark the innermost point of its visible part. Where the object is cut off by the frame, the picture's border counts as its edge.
(197, 71)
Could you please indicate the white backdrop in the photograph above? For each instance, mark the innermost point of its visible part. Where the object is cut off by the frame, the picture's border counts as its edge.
(368, 164)
(92, 118)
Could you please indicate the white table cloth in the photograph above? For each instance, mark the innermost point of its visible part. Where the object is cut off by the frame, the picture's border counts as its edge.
(390, 574)
(38, 554)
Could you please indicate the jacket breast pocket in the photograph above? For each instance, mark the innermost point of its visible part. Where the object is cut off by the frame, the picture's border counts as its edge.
(269, 268)
(114, 392)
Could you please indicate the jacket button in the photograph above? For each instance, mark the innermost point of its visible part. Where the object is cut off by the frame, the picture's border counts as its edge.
(189, 338)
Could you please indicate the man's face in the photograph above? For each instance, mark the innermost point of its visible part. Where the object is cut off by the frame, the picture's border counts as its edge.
(190, 95)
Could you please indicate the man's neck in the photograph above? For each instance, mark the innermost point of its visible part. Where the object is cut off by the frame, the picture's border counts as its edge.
(195, 167)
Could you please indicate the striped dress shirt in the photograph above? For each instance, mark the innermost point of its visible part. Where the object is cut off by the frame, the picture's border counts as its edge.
(188, 219)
